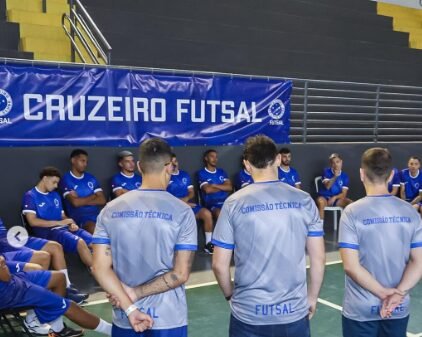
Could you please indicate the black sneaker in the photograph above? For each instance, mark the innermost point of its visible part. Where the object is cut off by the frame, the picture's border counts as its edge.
(209, 248)
(72, 290)
(76, 297)
(66, 332)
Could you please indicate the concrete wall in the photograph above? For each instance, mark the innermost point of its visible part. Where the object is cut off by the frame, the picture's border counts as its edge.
(20, 166)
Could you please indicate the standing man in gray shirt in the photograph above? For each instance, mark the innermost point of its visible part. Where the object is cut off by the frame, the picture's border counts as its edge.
(269, 225)
(381, 248)
(144, 244)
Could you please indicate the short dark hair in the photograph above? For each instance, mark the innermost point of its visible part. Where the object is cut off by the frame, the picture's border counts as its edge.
(415, 158)
(206, 153)
(284, 150)
(334, 155)
(78, 152)
(154, 153)
(50, 171)
(260, 151)
(377, 163)
(173, 155)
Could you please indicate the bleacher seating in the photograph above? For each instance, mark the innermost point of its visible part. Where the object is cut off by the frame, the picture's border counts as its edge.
(328, 39)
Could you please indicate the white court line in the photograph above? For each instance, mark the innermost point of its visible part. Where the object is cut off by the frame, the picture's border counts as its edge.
(206, 284)
(339, 308)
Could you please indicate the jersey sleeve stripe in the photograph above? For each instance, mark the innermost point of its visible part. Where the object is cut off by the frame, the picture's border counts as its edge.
(416, 245)
(222, 244)
(298, 182)
(316, 233)
(185, 247)
(205, 182)
(348, 245)
(101, 241)
(117, 188)
(28, 211)
(98, 190)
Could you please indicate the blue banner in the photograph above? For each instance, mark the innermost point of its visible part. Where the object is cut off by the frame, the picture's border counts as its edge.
(47, 105)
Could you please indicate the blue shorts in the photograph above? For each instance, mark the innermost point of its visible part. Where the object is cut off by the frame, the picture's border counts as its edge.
(21, 255)
(28, 290)
(83, 219)
(15, 266)
(328, 198)
(381, 328)
(214, 206)
(299, 328)
(36, 243)
(176, 332)
(196, 209)
(69, 240)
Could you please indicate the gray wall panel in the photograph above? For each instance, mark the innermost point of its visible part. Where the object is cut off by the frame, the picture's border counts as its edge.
(20, 166)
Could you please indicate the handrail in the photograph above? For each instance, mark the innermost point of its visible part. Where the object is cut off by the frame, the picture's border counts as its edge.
(69, 35)
(82, 24)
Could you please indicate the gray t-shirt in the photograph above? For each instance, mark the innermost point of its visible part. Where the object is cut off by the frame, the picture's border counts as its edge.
(144, 228)
(383, 229)
(267, 224)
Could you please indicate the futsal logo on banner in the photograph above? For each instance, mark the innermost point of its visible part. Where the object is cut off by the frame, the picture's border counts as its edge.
(276, 111)
(6, 104)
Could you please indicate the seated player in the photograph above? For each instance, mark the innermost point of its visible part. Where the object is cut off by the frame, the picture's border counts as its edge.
(335, 185)
(31, 289)
(82, 192)
(288, 174)
(43, 210)
(127, 179)
(214, 183)
(42, 253)
(243, 178)
(181, 187)
(394, 183)
(411, 183)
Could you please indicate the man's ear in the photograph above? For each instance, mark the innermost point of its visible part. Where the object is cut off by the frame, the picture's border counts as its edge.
(362, 175)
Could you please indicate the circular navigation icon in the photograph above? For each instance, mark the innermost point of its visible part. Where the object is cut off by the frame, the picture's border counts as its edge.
(17, 236)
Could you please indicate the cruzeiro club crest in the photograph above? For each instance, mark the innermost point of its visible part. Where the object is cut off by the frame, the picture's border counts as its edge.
(6, 103)
(276, 109)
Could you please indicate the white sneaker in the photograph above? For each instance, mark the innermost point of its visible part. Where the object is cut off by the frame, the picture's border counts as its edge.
(35, 327)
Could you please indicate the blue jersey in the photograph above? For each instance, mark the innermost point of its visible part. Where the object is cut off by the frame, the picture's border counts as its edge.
(46, 206)
(412, 185)
(122, 181)
(243, 179)
(179, 184)
(342, 182)
(395, 182)
(84, 186)
(3, 230)
(217, 177)
(383, 229)
(290, 177)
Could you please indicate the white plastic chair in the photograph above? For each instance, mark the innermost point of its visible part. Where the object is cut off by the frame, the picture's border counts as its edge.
(334, 209)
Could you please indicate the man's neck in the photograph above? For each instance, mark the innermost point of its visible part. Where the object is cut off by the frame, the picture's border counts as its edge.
(127, 173)
(285, 168)
(376, 189)
(152, 182)
(76, 173)
(40, 187)
(211, 168)
(267, 174)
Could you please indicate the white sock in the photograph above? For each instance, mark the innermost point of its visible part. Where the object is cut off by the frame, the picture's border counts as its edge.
(30, 316)
(104, 327)
(57, 325)
(208, 236)
(66, 274)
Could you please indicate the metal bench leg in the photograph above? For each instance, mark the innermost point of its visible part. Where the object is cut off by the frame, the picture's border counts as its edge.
(335, 221)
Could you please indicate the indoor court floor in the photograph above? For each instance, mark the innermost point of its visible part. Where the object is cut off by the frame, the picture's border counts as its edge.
(209, 312)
